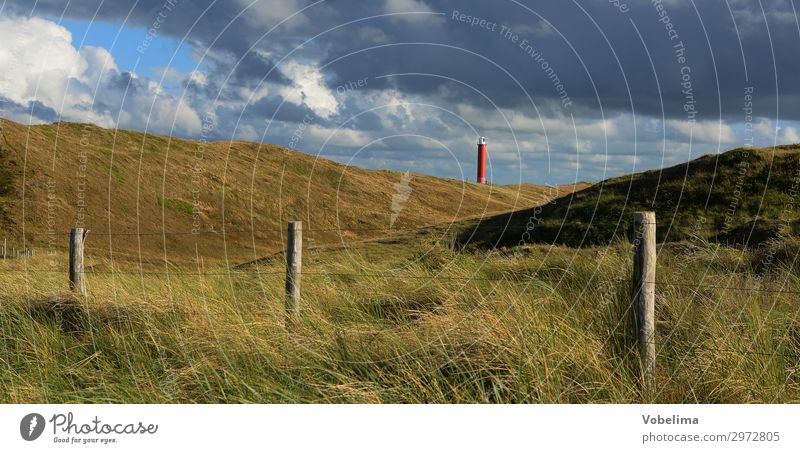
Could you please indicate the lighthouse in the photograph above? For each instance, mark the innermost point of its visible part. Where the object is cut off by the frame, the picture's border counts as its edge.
(482, 160)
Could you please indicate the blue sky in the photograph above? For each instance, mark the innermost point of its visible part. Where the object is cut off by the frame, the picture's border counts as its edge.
(122, 41)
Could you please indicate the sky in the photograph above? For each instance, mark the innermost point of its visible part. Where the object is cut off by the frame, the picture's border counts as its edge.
(574, 90)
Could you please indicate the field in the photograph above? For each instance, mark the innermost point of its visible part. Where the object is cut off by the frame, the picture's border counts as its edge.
(407, 320)
(429, 290)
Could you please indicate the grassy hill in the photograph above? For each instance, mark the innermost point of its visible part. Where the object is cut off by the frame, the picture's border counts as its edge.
(136, 186)
(404, 318)
(404, 323)
(743, 196)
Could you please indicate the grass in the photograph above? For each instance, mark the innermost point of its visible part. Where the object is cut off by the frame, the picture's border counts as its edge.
(541, 325)
(120, 181)
(437, 315)
(176, 205)
(743, 196)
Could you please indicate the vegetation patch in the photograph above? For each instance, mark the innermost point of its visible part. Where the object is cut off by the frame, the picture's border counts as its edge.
(738, 197)
(405, 307)
(174, 204)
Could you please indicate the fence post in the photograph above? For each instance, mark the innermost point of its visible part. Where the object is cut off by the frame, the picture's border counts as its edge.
(294, 261)
(77, 281)
(644, 291)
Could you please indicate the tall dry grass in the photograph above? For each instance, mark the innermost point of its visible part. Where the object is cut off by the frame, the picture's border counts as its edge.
(540, 325)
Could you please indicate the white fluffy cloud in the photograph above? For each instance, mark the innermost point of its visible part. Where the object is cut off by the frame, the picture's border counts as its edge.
(42, 66)
(39, 61)
(768, 133)
(709, 132)
(789, 135)
(308, 88)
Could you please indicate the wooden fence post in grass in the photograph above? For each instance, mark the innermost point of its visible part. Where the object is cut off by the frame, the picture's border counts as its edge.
(294, 261)
(77, 281)
(644, 291)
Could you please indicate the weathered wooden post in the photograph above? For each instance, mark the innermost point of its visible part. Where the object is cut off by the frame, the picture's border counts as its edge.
(644, 291)
(294, 262)
(77, 281)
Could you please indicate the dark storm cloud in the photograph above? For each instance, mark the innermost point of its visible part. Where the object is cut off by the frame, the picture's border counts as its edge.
(250, 67)
(33, 108)
(126, 81)
(602, 57)
(275, 109)
(594, 49)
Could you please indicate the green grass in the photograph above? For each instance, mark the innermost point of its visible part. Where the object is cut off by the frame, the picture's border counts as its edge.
(176, 205)
(743, 196)
(541, 325)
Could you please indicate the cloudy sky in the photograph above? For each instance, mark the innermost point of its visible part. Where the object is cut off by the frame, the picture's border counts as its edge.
(563, 90)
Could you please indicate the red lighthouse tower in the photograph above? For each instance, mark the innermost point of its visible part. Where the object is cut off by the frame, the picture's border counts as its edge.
(482, 160)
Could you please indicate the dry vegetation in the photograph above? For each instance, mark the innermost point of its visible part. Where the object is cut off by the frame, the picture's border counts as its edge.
(410, 321)
(399, 316)
(134, 183)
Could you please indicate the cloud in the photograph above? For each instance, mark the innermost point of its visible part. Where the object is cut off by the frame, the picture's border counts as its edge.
(767, 133)
(708, 132)
(575, 45)
(271, 13)
(81, 84)
(401, 8)
(750, 20)
(38, 61)
(619, 69)
(308, 88)
(789, 135)
(332, 137)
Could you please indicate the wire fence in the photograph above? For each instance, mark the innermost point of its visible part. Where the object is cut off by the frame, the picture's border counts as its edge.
(480, 226)
(511, 278)
(225, 231)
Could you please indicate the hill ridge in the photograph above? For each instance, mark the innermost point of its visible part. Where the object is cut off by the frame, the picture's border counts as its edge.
(71, 177)
(742, 196)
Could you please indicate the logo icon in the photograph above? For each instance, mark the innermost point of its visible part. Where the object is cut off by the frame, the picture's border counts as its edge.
(31, 426)
(402, 193)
